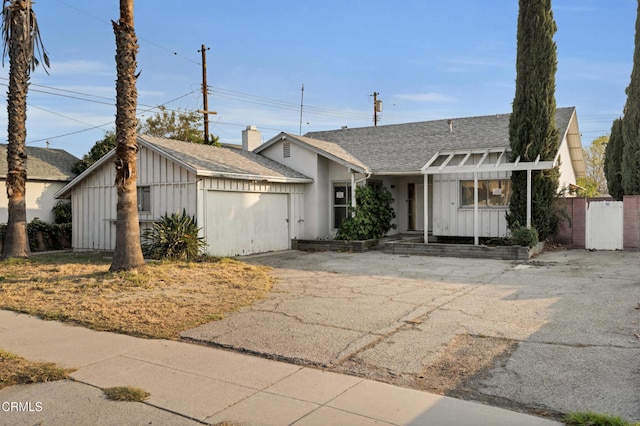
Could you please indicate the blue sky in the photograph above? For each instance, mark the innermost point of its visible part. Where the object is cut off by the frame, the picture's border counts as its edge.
(427, 59)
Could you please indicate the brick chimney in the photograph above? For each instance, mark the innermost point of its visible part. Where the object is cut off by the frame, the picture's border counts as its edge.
(251, 138)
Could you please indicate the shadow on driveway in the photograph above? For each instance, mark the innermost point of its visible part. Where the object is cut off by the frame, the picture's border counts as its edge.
(551, 335)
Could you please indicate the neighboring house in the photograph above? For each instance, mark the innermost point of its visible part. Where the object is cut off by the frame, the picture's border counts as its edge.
(431, 169)
(244, 202)
(48, 171)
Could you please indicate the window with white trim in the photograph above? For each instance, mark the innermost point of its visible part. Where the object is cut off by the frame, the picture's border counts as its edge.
(341, 202)
(491, 193)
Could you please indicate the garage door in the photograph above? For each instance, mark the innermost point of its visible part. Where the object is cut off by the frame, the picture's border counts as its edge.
(243, 223)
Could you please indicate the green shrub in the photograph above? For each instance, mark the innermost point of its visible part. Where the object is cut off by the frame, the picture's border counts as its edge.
(373, 215)
(62, 212)
(526, 237)
(175, 236)
(44, 235)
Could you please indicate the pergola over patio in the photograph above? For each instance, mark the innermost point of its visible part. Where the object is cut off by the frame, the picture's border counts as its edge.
(479, 161)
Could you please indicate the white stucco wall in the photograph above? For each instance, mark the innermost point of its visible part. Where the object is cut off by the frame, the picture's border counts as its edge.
(318, 196)
(39, 200)
(567, 174)
(316, 213)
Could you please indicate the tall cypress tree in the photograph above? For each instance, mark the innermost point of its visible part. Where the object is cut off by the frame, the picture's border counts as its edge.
(532, 129)
(613, 160)
(631, 120)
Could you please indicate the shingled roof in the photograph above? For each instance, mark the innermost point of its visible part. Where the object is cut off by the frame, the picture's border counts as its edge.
(408, 147)
(43, 164)
(207, 160)
(328, 149)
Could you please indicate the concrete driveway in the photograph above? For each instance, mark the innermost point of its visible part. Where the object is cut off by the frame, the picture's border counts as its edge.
(556, 334)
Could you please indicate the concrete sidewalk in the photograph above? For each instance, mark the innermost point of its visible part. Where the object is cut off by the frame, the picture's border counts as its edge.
(191, 384)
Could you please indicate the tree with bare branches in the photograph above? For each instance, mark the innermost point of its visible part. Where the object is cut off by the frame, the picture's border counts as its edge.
(23, 45)
(128, 251)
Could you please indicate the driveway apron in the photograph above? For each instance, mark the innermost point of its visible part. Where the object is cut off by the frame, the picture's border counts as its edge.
(555, 334)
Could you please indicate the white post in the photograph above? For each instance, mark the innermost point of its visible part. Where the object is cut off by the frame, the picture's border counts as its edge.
(201, 211)
(476, 239)
(528, 198)
(426, 209)
(353, 191)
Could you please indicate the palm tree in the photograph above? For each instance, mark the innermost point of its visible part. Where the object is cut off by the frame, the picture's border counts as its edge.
(128, 252)
(23, 45)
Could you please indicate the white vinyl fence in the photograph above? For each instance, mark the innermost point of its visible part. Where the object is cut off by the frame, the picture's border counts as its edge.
(604, 225)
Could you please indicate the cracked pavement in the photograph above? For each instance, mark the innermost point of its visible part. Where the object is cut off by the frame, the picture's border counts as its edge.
(564, 326)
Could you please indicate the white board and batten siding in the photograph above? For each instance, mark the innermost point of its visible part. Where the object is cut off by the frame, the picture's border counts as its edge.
(173, 188)
(94, 200)
(604, 226)
(236, 216)
(93, 203)
(449, 219)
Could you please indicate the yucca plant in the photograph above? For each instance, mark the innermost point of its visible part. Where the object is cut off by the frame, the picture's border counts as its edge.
(175, 237)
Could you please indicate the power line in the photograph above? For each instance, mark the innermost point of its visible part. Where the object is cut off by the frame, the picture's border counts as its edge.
(63, 90)
(71, 133)
(151, 108)
(70, 97)
(221, 92)
(276, 103)
(61, 115)
(84, 12)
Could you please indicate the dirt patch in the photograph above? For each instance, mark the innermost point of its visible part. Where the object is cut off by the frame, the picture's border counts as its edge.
(467, 360)
(464, 359)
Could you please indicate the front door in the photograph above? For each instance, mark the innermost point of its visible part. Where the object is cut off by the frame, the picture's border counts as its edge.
(416, 204)
(415, 207)
(419, 206)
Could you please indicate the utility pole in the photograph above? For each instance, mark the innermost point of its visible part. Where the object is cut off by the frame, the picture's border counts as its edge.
(205, 101)
(377, 107)
(301, 106)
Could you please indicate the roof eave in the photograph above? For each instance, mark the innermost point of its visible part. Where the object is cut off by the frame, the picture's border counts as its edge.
(157, 149)
(67, 188)
(574, 142)
(268, 143)
(356, 167)
(416, 172)
(251, 177)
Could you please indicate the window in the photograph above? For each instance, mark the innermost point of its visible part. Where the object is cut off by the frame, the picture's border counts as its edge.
(144, 199)
(375, 184)
(491, 193)
(341, 202)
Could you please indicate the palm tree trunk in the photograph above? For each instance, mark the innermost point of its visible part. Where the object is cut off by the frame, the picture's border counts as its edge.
(128, 252)
(16, 242)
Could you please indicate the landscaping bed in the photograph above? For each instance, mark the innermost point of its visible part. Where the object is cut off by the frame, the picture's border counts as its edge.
(463, 250)
(335, 245)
